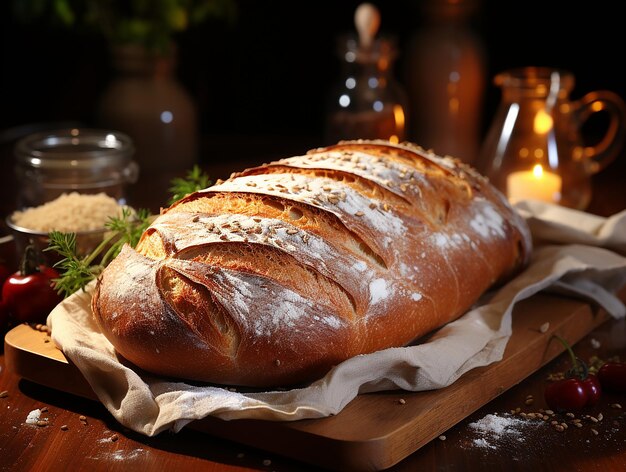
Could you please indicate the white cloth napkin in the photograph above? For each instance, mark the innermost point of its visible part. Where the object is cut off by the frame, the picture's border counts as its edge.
(579, 254)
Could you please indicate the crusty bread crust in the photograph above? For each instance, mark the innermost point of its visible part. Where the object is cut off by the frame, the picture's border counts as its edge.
(282, 271)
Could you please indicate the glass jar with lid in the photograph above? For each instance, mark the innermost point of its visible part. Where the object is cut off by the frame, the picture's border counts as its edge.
(90, 161)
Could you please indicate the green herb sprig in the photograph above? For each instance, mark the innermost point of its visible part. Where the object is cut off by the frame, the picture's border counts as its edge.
(77, 272)
(154, 24)
(195, 180)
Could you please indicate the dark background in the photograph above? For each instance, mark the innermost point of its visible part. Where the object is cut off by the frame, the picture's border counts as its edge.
(269, 72)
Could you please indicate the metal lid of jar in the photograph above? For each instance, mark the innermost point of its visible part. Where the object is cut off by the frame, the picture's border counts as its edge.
(75, 149)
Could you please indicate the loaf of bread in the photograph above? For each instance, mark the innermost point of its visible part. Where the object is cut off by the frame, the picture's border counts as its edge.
(277, 274)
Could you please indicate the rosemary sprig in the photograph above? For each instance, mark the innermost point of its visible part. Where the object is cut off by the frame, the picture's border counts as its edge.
(195, 180)
(76, 272)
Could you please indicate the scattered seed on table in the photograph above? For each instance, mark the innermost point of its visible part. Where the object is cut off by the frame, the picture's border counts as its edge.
(64, 427)
(402, 401)
(4, 394)
(442, 437)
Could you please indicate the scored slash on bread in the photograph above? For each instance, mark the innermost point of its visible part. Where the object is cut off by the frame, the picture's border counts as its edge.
(282, 271)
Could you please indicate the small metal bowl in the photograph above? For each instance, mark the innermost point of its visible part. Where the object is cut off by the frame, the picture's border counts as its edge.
(86, 241)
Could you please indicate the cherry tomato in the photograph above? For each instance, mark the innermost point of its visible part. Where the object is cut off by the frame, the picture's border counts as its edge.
(578, 390)
(592, 386)
(48, 271)
(30, 297)
(29, 293)
(566, 394)
(612, 376)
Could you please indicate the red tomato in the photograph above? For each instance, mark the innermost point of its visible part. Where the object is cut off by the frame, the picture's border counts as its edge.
(612, 376)
(567, 394)
(30, 297)
(591, 384)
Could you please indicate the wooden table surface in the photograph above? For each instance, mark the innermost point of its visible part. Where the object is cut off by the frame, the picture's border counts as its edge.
(81, 435)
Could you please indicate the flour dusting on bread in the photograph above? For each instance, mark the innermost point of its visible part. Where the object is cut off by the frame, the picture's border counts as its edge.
(282, 271)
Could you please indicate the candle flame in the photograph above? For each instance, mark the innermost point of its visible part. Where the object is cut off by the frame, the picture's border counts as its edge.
(398, 114)
(538, 171)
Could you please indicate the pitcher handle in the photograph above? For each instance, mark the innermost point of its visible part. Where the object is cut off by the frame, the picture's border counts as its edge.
(606, 150)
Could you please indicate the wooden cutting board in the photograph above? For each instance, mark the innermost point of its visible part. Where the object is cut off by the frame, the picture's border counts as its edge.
(374, 431)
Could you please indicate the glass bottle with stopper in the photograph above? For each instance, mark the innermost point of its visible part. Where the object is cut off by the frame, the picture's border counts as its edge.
(367, 102)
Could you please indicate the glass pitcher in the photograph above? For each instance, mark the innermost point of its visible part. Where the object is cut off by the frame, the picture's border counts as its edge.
(534, 148)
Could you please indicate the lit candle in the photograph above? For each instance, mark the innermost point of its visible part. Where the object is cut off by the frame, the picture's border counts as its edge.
(533, 184)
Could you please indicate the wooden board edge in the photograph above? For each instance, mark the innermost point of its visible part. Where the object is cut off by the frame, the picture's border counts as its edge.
(30, 354)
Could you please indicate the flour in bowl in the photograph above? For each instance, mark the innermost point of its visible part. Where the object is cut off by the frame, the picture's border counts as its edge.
(69, 213)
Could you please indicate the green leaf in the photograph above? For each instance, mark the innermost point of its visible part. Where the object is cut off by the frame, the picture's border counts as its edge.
(150, 23)
(64, 11)
(77, 272)
(195, 180)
